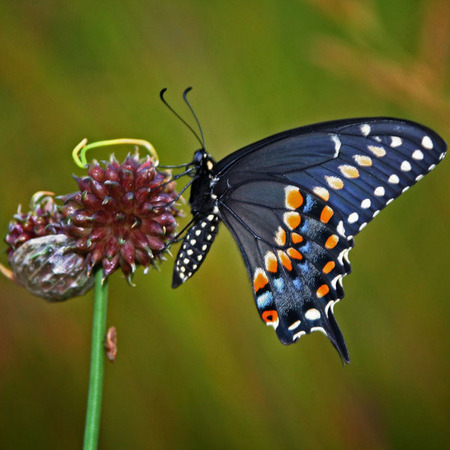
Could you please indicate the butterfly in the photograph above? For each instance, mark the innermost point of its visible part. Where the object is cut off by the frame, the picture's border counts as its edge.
(293, 203)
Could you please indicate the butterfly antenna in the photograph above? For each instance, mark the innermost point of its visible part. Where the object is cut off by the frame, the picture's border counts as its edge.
(161, 95)
(185, 93)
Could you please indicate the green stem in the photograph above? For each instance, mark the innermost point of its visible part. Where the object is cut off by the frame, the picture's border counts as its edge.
(94, 402)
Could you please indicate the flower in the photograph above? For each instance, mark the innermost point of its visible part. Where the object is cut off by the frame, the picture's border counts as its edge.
(42, 219)
(123, 215)
(41, 257)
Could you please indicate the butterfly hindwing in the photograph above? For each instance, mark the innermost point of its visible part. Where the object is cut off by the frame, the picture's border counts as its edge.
(296, 257)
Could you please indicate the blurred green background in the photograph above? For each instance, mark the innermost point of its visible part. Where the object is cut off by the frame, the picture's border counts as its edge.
(196, 367)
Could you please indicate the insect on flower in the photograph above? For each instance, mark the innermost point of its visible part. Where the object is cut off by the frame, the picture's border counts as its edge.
(294, 202)
(123, 215)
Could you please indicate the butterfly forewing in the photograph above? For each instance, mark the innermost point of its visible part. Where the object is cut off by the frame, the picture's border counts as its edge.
(377, 161)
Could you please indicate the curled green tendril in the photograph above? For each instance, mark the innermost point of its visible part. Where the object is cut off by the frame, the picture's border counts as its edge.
(79, 152)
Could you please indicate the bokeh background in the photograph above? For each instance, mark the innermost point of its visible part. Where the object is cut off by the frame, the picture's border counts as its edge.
(196, 367)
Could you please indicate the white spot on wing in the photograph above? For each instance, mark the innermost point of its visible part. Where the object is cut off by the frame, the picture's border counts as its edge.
(427, 143)
(273, 324)
(322, 330)
(328, 306)
(366, 203)
(335, 280)
(353, 217)
(294, 325)
(363, 160)
(405, 166)
(298, 335)
(322, 193)
(396, 141)
(394, 179)
(365, 129)
(340, 228)
(337, 144)
(312, 314)
(379, 191)
(377, 151)
(417, 154)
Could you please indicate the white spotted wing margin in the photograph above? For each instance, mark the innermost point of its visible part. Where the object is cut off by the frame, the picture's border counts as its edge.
(194, 249)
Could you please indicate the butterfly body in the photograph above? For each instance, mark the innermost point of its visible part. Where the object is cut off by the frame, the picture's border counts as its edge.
(293, 203)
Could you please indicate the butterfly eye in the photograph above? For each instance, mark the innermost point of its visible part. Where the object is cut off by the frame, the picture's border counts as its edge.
(198, 157)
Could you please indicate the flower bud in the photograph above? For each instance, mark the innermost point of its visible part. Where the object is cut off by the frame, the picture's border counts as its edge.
(48, 267)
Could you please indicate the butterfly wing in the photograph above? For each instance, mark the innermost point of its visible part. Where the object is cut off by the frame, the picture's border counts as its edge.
(358, 166)
(296, 254)
(345, 172)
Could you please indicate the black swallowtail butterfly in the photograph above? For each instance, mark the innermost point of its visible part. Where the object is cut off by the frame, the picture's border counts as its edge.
(293, 203)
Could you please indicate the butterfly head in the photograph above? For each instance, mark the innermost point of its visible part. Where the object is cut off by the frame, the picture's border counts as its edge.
(202, 161)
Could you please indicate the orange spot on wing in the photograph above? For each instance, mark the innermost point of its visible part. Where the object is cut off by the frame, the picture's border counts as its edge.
(293, 197)
(296, 238)
(260, 280)
(280, 236)
(292, 219)
(323, 290)
(271, 262)
(332, 241)
(293, 253)
(328, 267)
(285, 260)
(269, 316)
(326, 214)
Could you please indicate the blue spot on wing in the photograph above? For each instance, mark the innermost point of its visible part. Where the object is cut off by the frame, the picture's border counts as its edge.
(279, 284)
(264, 300)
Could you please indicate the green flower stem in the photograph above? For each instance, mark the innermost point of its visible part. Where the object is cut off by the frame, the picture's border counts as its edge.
(94, 402)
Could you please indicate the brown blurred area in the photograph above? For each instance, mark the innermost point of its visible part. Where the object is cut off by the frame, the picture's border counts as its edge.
(196, 368)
